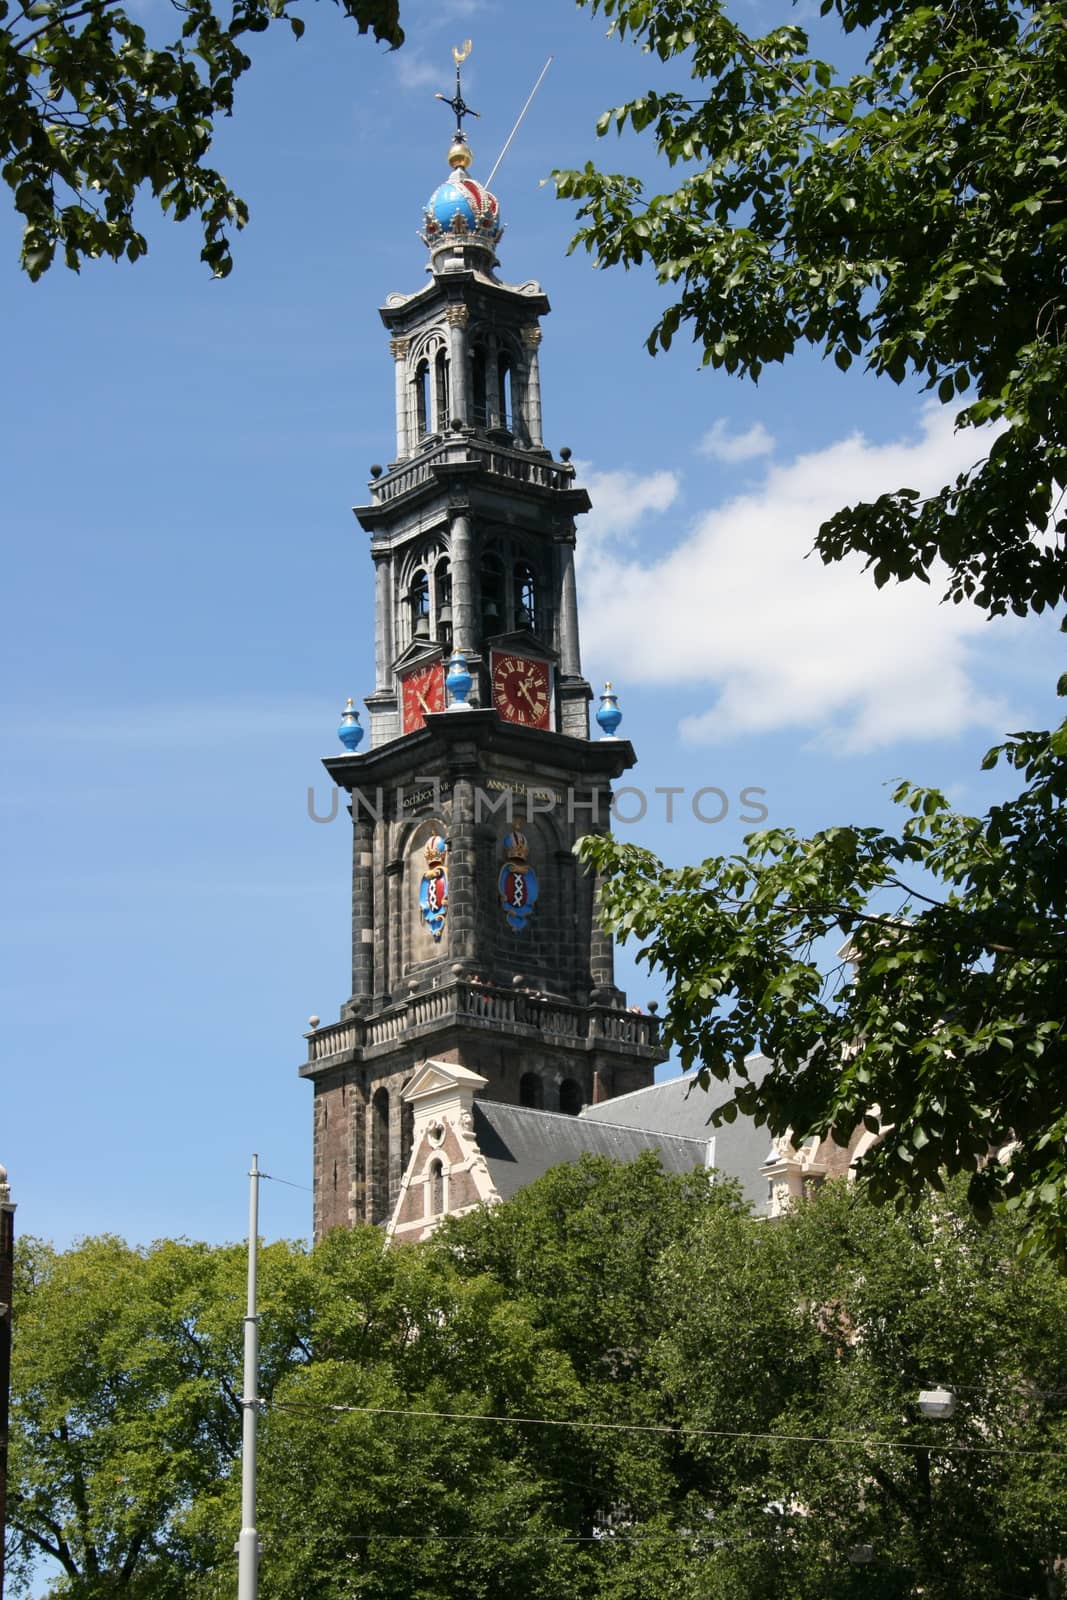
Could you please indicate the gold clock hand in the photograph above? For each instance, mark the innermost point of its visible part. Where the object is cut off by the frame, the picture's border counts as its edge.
(524, 690)
(421, 698)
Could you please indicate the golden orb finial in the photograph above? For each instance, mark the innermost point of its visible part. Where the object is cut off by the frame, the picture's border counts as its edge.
(459, 154)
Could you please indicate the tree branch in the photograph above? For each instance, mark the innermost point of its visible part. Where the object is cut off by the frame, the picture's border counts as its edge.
(69, 16)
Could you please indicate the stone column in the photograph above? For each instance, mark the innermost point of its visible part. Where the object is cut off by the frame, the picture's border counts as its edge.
(601, 953)
(383, 620)
(382, 992)
(394, 911)
(362, 911)
(531, 338)
(399, 349)
(458, 318)
(463, 628)
(569, 647)
(462, 876)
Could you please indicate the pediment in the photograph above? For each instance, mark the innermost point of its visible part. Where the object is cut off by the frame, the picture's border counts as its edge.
(442, 1077)
(419, 653)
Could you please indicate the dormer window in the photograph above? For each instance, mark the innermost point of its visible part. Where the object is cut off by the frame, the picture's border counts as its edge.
(437, 1187)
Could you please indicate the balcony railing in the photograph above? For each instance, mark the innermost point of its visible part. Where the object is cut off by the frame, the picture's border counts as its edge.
(478, 1005)
(497, 459)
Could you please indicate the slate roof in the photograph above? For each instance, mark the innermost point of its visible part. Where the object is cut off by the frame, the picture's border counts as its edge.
(520, 1144)
(680, 1108)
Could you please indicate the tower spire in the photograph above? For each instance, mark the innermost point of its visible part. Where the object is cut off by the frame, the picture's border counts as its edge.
(459, 106)
(461, 214)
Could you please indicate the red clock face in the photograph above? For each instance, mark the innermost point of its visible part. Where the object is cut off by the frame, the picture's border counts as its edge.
(421, 692)
(521, 689)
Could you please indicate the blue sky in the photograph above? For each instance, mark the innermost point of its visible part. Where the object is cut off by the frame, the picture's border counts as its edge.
(189, 601)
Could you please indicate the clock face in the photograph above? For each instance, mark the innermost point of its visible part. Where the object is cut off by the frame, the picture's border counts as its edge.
(522, 689)
(421, 691)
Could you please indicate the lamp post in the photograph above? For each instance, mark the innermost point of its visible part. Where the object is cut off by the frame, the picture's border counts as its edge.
(7, 1279)
(938, 1403)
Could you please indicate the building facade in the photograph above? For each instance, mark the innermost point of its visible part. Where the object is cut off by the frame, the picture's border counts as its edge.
(474, 934)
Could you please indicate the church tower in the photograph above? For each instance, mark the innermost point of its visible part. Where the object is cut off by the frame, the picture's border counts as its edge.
(474, 935)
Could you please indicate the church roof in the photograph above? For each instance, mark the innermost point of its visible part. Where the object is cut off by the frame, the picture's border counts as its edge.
(680, 1108)
(520, 1144)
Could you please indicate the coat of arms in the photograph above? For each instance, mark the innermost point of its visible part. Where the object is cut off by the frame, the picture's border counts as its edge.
(518, 881)
(433, 890)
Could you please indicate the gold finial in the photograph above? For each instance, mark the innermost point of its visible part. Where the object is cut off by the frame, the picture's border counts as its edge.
(460, 52)
(607, 687)
(348, 703)
(459, 154)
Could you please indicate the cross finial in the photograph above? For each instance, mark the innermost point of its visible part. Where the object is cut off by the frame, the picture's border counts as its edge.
(460, 52)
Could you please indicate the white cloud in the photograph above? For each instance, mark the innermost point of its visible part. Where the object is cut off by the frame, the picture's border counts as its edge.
(782, 641)
(413, 72)
(621, 501)
(721, 445)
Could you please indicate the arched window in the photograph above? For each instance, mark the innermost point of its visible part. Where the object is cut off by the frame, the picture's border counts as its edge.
(505, 391)
(479, 398)
(570, 1097)
(419, 601)
(525, 596)
(492, 576)
(441, 390)
(442, 584)
(437, 1187)
(531, 1091)
(379, 1160)
(422, 399)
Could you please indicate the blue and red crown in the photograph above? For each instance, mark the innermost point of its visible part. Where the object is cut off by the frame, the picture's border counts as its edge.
(461, 211)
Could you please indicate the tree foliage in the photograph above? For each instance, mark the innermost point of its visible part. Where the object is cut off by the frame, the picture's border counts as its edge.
(618, 1383)
(125, 1411)
(944, 1028)
(93, 111)
(910, 216)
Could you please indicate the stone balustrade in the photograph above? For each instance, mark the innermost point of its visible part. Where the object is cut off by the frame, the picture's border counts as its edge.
(496, 459)
(474, 1004)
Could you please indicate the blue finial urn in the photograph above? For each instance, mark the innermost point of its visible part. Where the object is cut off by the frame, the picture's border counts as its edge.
(350, 732)
(608, 714)
(458, 682)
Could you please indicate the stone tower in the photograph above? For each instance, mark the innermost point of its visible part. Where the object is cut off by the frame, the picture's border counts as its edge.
(474, 937)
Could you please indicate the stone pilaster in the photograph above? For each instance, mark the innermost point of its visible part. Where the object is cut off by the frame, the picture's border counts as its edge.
(398, 348)
(458, 319)
(362, 912)
(531, 338)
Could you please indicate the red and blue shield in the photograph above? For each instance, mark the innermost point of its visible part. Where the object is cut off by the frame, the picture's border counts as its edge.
(433, 890)
(517, 882)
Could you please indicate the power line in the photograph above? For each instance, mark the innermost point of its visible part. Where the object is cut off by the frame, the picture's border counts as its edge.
(857, 1441)
(287, 1181)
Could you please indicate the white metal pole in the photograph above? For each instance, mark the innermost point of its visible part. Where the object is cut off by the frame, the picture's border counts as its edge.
(248, 1543)
(515, 129)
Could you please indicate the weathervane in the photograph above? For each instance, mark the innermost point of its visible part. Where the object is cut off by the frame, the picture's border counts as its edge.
(460, 52)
